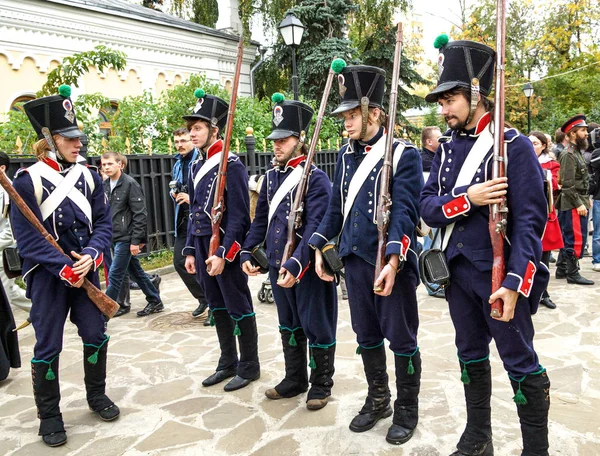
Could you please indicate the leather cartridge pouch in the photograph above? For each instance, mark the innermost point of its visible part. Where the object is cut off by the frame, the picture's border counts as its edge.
(259, 255)
(331, 259)
(11, 261)
(433, 268)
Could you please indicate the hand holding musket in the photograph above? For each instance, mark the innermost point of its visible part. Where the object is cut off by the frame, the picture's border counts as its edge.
(499, 212)
(106, 305)
(218, 208)
(385, 201)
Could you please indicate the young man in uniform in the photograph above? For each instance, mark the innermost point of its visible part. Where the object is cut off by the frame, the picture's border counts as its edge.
(306, 305)
(456, 199)
(352, 213)
(573, 203)
(219, 273)
(68, 199)
(187, 154)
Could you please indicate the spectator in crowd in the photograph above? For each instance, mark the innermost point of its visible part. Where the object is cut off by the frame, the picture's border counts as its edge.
(552, 238)
(595, 194)
(128, 207)
(429, 140)
(187, 154)
(560, 142)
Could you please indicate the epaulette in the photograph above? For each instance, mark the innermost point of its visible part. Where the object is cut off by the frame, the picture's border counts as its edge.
(444, 138)
(510, 134)
(20, 171)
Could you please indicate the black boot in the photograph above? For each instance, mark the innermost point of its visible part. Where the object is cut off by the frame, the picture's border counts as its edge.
(46, 391)
(377, 403)
(321, 377)
(532, 396)
(296, 373)
(573, 275)
(547, 302)
(476, 439)
(406, 406)
(228, 360)
(94, 366)
(561, 265)
(248, 368)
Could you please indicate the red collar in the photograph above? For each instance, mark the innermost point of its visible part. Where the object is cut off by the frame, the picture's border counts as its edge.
(294, 162)
(214, 148)
(52, 164)
(483, 122)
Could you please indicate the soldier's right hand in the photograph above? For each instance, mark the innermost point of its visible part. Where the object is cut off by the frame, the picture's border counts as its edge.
(320, 268)
(190, 264)
(488, 192)
(249, 269)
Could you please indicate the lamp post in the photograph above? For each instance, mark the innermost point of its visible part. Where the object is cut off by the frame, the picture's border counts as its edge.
(528, 92)
(291, 30)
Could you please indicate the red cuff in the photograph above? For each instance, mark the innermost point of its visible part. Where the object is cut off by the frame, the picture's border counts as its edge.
(302, 273)
(527, 282)
(67, 274)
(233, 251)
(98, 261)
(457, 206)
(405, 245)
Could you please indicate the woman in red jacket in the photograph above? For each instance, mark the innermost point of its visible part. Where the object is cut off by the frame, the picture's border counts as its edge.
(552, 238)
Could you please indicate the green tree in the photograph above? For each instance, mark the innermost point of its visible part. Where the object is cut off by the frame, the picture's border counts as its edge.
(433, 119)
(205, 12)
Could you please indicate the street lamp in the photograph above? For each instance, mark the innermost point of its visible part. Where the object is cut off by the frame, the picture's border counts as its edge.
(528, 92)
(291, 30)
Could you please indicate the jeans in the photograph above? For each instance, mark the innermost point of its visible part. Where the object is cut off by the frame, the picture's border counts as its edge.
(596, 234)
(122, 263)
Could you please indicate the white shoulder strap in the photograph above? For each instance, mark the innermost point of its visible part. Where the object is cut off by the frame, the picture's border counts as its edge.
(34, 172)
(87, 174)
(288, 184)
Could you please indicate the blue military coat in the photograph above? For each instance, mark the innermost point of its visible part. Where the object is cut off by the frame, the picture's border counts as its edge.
(359, 234)
(275, 235)
(444, 203)
(68, 223)
(236, 218)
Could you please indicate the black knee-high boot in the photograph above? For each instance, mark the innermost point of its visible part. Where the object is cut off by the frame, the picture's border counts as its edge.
(248, 369)
(228, 360)
(406, 406)
(296, 373)
(46, 391)
(377, 403)
(476, 439)
(321, 377)
(561, 265)
(532, 396)
(94, 366)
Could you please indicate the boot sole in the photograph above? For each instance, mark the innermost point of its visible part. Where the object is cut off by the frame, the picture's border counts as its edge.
(386, 414)
(400, 441)
(316, 404)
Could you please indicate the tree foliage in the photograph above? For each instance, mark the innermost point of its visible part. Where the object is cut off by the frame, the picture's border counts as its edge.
(205, 12)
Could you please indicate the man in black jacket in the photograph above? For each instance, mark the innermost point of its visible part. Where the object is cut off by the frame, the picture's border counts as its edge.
(128, 207)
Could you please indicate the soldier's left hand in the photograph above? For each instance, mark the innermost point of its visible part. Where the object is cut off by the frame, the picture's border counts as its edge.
(509, 297)
(83, 264)
(386, 280)
(287, 279)
(215, 265)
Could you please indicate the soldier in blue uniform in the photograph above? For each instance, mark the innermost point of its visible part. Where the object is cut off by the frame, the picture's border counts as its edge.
(69, 200)
(456, 199)
(392, 313)
(221, 277)
(306, 305)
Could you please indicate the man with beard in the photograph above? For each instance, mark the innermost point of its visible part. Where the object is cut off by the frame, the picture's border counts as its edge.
(573, 203)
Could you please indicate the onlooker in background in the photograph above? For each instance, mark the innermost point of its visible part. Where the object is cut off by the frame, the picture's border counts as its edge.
(14, 293)
(595, 193)
(560, 142)
(552, 238)
(573, 202)
(128, 207)
(429, 140)
(187, 155)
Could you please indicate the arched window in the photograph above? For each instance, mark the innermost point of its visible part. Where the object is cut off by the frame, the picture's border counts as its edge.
(104, 116)
(17, 104)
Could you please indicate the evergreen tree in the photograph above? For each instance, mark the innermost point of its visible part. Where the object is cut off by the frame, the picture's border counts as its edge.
(205, 12)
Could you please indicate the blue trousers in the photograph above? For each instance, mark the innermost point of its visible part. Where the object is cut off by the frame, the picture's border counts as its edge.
(574, 228)
(123, 262)
(596, 235)
(52, 300)
(229, 290)
(394, 317)
(310, 304)
(468, 295)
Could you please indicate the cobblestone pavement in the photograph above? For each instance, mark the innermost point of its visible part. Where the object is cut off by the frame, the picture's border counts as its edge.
(156, 365)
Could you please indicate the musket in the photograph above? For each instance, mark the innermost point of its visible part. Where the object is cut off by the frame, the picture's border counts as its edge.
(218, 208)
(295, 216)
(385, 201)
(106, 305)
(499, 211)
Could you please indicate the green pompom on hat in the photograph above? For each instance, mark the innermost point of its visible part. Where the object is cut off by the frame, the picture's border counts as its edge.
(199, 93)
(441, 41)
(338, 65)
(277, 97)
(64, 90)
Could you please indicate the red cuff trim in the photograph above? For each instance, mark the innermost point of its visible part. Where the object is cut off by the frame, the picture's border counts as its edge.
(98, 261)
(67, 274)
(302, 273)
(405, 245)
(235, 248)
(457, 206)
(527, 282)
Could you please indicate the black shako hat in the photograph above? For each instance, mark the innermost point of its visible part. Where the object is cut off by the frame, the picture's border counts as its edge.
(55, 112)
(576, 121)
(459, 63)
(290, 118)
(210, 108)
(358, 81)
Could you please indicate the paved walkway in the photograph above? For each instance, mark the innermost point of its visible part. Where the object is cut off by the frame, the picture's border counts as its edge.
(156, 366)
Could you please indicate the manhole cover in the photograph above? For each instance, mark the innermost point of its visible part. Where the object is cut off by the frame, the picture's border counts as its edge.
(180, 320)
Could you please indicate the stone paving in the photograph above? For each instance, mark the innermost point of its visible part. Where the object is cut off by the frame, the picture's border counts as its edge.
(156, 365)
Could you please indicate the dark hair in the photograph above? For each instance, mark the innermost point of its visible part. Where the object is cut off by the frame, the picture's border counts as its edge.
(427, 133)
(488, 104)
(181, 131)
(189, 123)
(559, 136)
(4, 160)
(542, 137)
